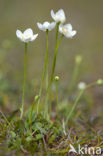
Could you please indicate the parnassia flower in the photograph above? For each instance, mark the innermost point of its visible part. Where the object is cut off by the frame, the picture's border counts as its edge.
(26, 36)
(46, 26)
(59, 16)
(67, 31)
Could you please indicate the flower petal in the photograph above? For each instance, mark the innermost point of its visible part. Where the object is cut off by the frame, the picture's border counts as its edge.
(40, 26)
(28, 32)
(27, 40)
(60, 15)
(46, 26)
(34, 37)
(52, 14)
(68, 26)
(60, 28)
(74, 33)
(70, 34)
(19, 34)
(61, 11)
(51, 26)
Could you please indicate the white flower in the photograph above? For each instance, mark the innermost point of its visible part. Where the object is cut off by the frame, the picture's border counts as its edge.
(26, 36)
(82, 85)
(59, 16)
(67, 31)
(46, 26)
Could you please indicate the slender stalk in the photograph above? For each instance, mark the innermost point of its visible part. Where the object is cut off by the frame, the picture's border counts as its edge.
(32, 108)
(24, 85)
(47, 66)
(55, 53)
(91, 85)
(78, 60)
(47, 96)
(44, 71)
(31, 113)
(52, 75)
(74, 106)
(78, 98)
(5, 118)
(74, 78)
(56, 85)
(54, 60)
(57, 31)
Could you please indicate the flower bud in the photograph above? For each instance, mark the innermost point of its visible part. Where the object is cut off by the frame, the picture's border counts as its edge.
(99, 81)
(37, 97)
(56, 78)
(78, 59)
(81, 85)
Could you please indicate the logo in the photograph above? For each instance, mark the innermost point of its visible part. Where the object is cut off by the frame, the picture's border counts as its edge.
(85, 150)
(72, 149)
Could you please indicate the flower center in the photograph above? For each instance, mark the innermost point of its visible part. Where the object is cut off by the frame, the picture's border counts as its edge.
(64, 30)
(23, 37)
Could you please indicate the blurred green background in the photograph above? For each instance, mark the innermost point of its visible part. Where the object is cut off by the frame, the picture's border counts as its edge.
(86, 16)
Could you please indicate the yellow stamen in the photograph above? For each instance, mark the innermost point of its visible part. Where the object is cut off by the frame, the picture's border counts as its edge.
(23, 37)
(64, 30)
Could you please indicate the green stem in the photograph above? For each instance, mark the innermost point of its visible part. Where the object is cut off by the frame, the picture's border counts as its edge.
(77, 100)
(55, 53)
(5, 118)
(47, 66)
(57, 99)
(31, 113)
(54, 60)
(44, 71)
(91, 85)
(74, 106)
(52, 75)
(53, 69)
(24, 85)
(57, 31)
(74, 78)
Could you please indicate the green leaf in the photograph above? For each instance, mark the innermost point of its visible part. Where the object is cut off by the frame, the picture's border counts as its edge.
(39, 136)
(37, 126)
(13, 135)
(29, 139)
